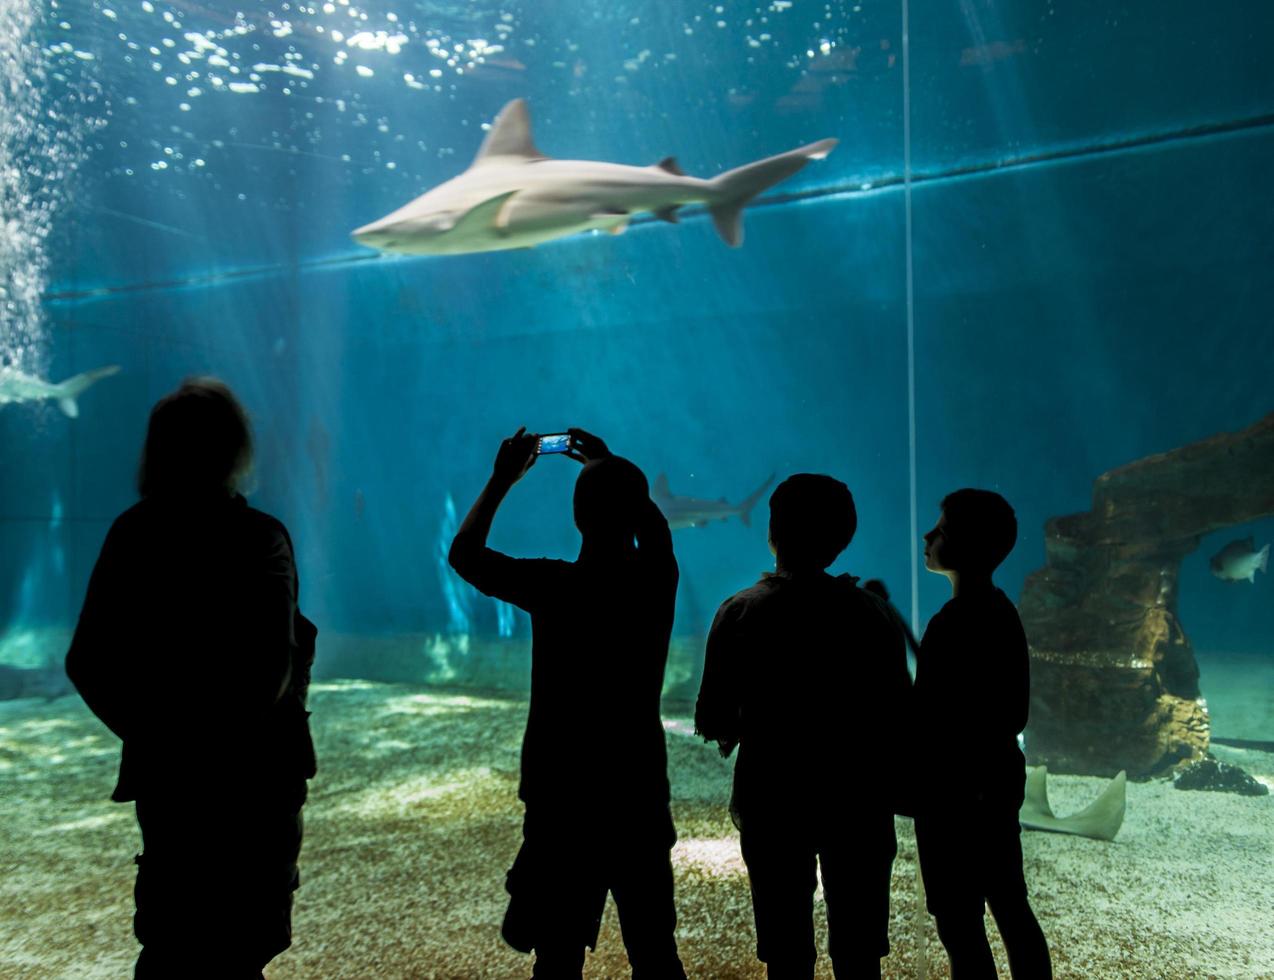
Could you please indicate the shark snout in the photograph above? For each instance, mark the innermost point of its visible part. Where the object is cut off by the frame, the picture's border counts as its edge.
(411, 234)
(375, 235)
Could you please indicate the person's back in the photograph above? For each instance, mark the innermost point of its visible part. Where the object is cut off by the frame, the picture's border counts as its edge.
(807, 675)
(814, 646)
(191, 649)
(202, 589)
(600, 633)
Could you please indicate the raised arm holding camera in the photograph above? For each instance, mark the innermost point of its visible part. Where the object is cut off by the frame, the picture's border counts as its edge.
(594, 764)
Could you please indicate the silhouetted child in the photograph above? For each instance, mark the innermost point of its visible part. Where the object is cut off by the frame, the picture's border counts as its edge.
(807, 674)
(191, 649)
(594, 762)
(971, 698)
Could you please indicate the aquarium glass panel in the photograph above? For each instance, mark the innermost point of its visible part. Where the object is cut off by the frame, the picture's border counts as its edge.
(1034, 262)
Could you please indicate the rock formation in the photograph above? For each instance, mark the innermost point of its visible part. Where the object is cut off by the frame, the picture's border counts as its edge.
(1114, 683)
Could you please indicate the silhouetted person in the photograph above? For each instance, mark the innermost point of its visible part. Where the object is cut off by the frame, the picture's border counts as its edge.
(972, 695)
(807, 674)
(594, 763)
(191, 649)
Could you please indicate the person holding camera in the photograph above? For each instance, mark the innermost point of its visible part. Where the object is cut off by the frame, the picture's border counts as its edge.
(806, 673)
(594, 762)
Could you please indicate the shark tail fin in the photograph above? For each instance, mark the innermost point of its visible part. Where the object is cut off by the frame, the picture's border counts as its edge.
(745, 508)
(1263, 560)
(732, 190)
(74, 386)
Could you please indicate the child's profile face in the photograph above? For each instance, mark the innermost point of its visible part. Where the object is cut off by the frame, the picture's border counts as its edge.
(937, 547)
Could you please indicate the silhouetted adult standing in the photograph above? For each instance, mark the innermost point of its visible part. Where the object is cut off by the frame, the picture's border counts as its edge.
(972, 696)
(807, 674)
(594, 763)
(191, 649)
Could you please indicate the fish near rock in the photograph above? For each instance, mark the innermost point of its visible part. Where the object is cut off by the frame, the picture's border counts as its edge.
(1239, 561)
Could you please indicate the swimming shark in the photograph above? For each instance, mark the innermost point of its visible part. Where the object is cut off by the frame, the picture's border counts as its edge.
(18, 387)
(692, 512)
(513, 196)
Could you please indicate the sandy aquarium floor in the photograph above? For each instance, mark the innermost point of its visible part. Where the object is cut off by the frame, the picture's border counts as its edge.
(414, 818)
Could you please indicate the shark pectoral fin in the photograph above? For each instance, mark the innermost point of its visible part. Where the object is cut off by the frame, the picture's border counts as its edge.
(486, 215)
(605, 217)
(69, 408)
(668, 214)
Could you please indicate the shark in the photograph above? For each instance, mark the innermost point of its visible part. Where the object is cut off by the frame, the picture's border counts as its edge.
(513, 196)
(18, 387)
(693, 512)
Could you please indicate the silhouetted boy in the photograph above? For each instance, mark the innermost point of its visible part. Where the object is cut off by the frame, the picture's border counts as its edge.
(972, 695)
(594, 762)
(191, 649)
(807, 674)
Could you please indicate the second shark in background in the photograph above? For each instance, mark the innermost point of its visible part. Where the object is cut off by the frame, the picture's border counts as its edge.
(694, 512)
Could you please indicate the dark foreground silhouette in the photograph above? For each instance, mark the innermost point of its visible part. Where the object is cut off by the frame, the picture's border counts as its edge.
(972, 695)
(191, 649)
(594, 763)
(807, 674)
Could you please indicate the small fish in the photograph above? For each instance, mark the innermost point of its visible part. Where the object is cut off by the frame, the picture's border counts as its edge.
(1239, 561)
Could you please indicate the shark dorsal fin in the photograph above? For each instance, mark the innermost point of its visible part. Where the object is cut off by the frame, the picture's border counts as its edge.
(660, 489)
(510, 136)
(670, 165)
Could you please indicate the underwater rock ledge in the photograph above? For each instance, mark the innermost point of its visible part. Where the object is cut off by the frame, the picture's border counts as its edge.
(1114, 681)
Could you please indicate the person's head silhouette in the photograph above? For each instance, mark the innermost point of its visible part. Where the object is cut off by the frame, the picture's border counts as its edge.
(812, 520)
(198, 441)
(610, 496)
(975, 533)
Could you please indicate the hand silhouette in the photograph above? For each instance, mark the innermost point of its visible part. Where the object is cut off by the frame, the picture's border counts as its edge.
(586, 447)
(516, 456)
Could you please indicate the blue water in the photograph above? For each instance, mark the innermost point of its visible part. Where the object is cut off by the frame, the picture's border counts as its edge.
(1038, 253)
